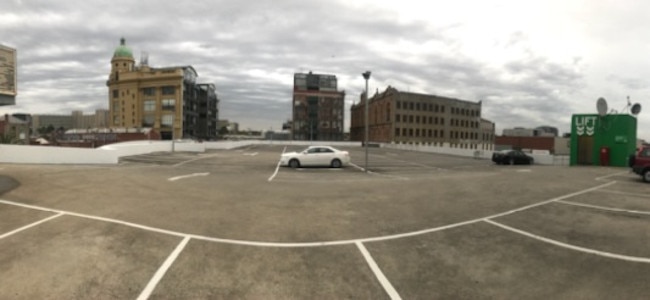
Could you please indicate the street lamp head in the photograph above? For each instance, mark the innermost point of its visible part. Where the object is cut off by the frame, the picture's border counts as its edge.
(366, 75)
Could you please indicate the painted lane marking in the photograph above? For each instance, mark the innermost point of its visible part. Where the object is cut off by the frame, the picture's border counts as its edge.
(390, 290)
(277, 168)
(551, 200)
(358, 167)
(308, 244)
(611, 175)
(250, 154)
(626, 194)
(379, 174)
(30, 225)
(187, 176)
(639, 212)
(162, 270)
(572, 247)
(195, 159)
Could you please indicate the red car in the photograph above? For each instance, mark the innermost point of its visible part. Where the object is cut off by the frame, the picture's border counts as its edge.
(641, 163)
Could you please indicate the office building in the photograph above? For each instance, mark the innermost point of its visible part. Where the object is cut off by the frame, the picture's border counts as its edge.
(168, 99)
(317, 108)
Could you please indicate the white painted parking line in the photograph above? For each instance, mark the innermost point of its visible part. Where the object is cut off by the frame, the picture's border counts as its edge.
(626, 194)
(162, 270)
(572, 247)
(390, 290)
(277, 168)
(310, 244)
(639, 212)
(611, 175)
(187, 176)
(195, 159)
(30, 225)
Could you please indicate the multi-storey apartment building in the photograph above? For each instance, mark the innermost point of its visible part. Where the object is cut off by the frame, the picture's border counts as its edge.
(403, 117)
(318, 108)
(166, 99)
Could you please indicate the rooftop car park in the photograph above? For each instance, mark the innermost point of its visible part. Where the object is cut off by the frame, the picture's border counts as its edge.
(234, 224)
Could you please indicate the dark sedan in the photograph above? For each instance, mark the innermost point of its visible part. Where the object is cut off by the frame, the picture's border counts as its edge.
(511, 157)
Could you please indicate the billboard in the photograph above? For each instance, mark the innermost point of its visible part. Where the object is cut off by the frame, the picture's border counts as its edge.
(8, 76)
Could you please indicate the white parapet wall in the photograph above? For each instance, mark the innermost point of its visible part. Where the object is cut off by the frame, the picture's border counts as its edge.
(111, 153)
(226, 145)
(540, 157)
(22, 154)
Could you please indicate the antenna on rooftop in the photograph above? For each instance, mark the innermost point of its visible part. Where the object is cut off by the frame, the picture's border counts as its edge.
(144, 58)
(601, 106)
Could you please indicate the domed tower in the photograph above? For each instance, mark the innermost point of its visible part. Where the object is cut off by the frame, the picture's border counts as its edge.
(119, 85)
(122, 60)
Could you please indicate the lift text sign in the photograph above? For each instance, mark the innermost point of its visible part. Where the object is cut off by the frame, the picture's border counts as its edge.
(585, 124)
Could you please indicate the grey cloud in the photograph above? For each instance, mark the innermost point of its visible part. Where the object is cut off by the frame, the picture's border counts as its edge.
(224, 40)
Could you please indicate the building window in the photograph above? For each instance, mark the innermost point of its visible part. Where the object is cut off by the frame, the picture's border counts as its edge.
(149, 91)
(411, 119)
(168, 104)
(417, 106)
(168, 90)
(399, 105)
(410, 131)
(116, 93)
(411, 105)
(397, 118)
(167, 121)
(417, 119)
(149, 105)
(396, 131)
(148, 121)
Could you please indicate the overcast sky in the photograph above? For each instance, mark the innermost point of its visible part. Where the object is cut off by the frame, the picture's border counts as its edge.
(532, 63)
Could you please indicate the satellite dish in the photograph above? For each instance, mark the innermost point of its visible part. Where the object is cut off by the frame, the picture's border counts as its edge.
(636, 109)
(601, 105)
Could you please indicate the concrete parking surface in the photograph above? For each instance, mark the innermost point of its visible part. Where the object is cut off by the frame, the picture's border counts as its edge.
(231, 224)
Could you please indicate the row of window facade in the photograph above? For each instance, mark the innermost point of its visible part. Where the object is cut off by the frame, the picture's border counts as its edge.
(431, 107)
(150, 91)
(434, 121)
(434, 133)
(148, 120)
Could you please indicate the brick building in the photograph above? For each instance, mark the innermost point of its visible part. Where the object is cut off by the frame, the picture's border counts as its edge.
(317, 108)
(404, 117)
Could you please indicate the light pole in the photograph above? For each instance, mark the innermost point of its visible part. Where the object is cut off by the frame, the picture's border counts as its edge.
(366, 76)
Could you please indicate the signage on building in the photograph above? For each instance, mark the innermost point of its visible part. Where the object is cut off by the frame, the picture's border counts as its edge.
(585, 125)
(7, 71)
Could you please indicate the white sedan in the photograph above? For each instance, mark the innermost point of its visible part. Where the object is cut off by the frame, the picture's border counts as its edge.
(316, 156)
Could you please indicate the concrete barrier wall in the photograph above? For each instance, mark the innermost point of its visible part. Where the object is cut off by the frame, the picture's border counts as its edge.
(22, 154)
(444, 149)
(110, 154)
(137, 147)
(541, 159)
(226, 145)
